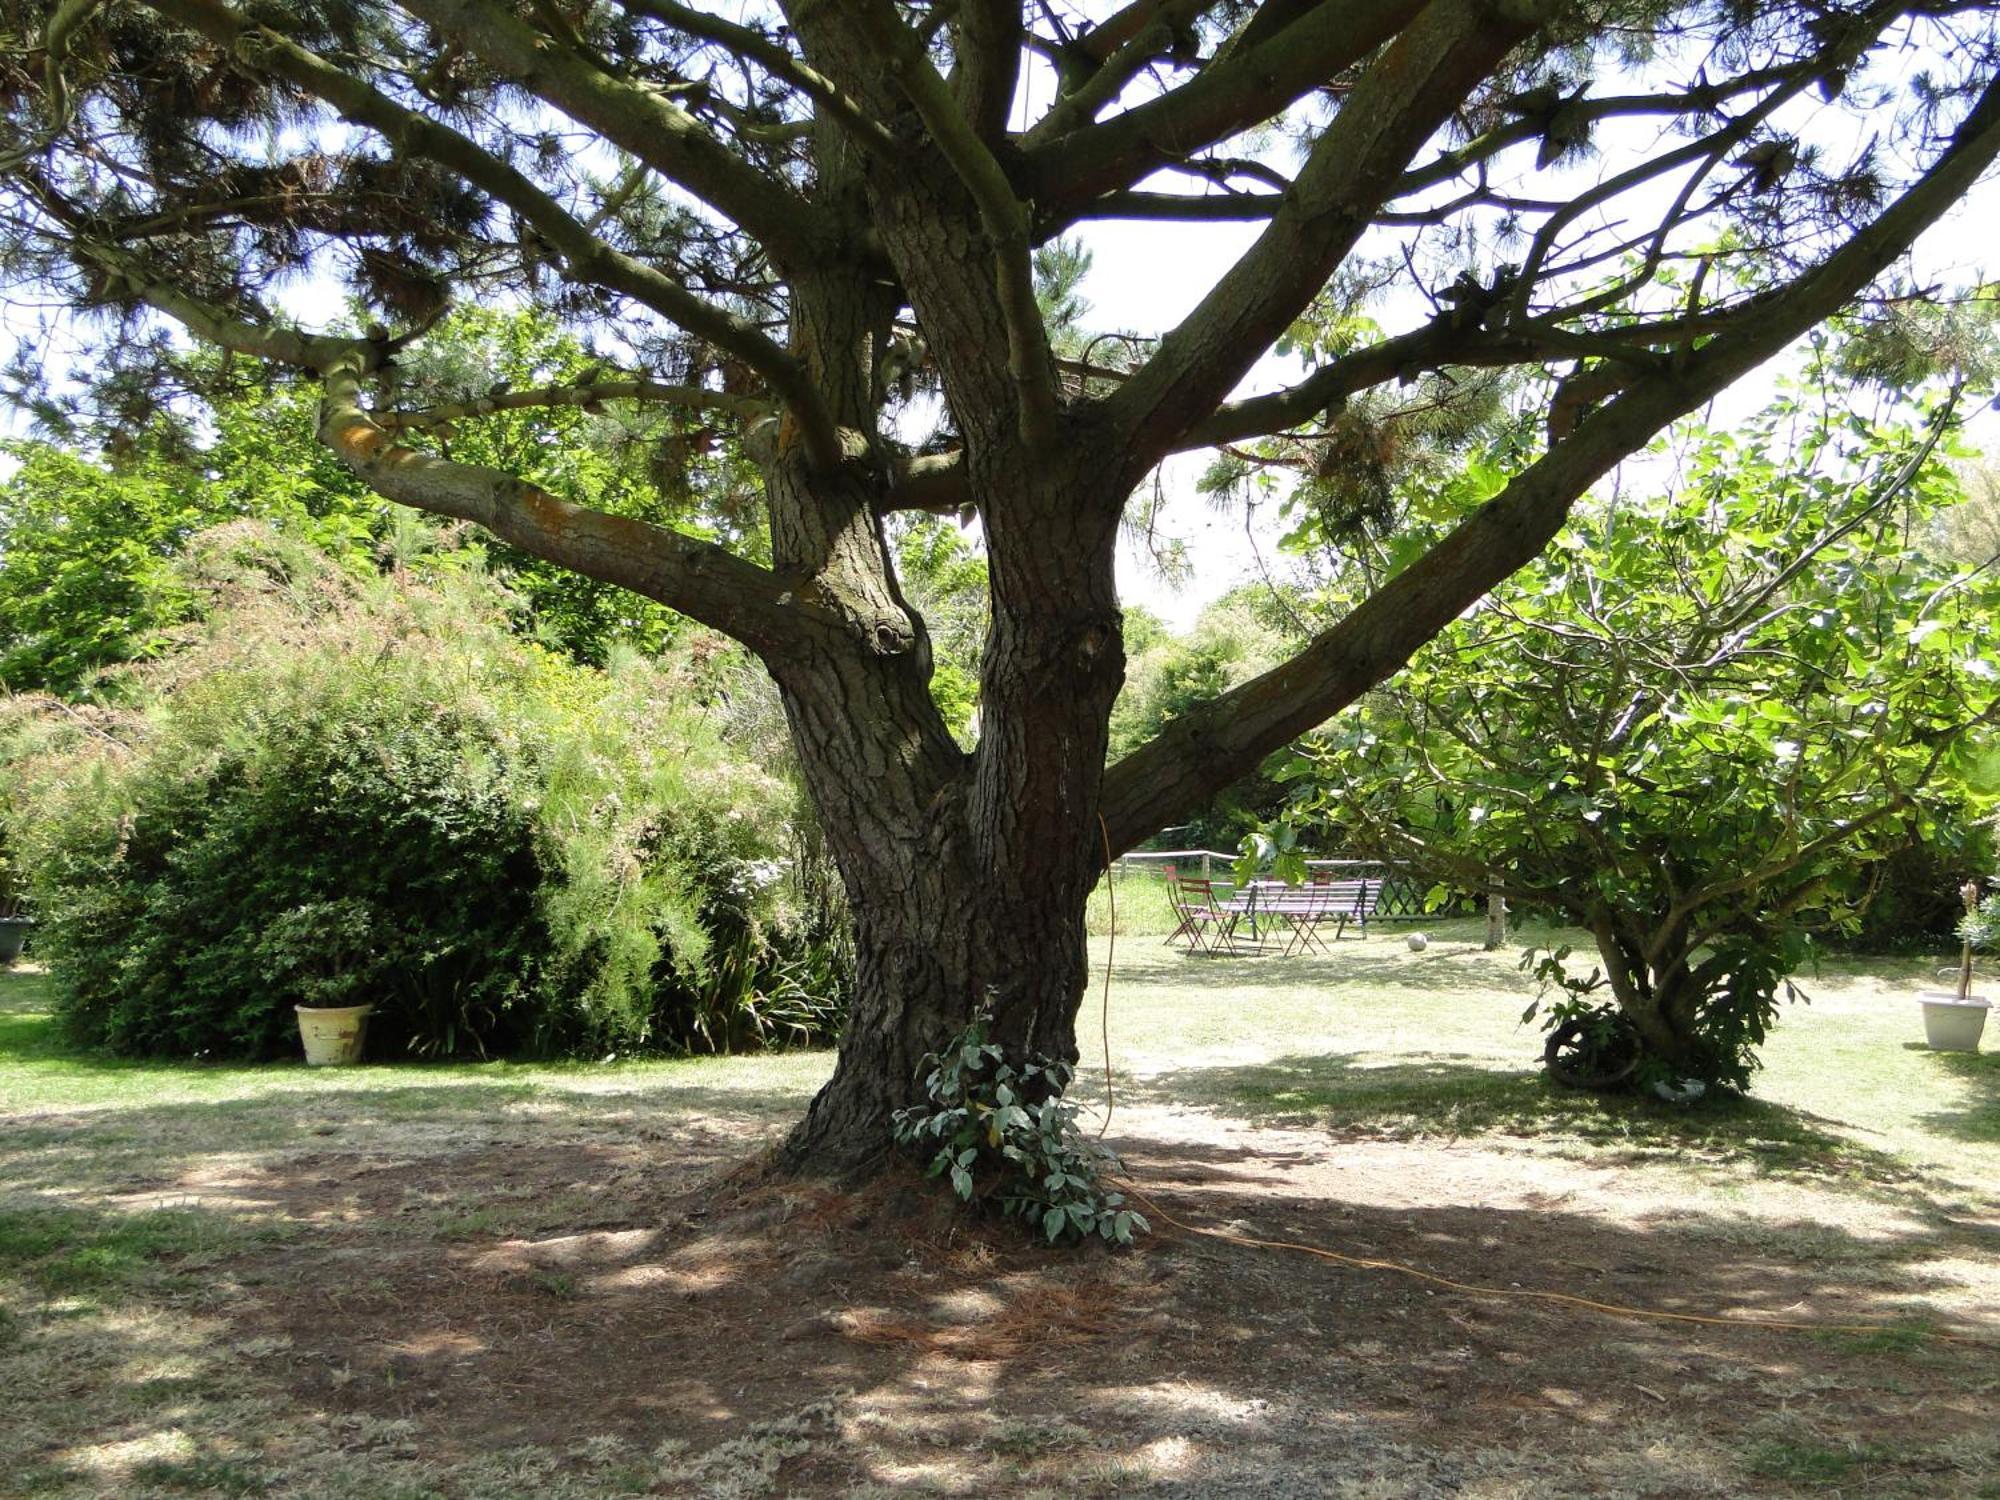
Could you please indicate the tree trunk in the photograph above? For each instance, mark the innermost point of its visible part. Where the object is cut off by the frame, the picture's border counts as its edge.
(1655, 989)
(933, 953)
(1496, 920)
(967, 874)
(966, 898)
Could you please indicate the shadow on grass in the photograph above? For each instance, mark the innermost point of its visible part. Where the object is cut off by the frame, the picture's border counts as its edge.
(685, 1329)
(62, 1250)
(1977, 1114)
(346, 1118)
(1444, 968)
(1456, 1094)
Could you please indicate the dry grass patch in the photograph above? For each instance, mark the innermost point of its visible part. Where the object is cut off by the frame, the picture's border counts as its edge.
(488, 1283)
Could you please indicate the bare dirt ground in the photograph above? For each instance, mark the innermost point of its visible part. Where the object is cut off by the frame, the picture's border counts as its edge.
(467, 1293)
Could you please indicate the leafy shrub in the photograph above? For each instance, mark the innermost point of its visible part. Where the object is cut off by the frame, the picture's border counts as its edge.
(92, 575)
(1692, 727)
(354, 783)
(13, 879)
(1005, 1134)
(1914, 906)
(329, 950)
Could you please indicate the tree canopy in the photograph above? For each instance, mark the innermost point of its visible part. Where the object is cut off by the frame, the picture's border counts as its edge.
(810, 229)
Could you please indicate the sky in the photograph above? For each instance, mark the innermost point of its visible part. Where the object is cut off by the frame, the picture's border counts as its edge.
(1146, 276)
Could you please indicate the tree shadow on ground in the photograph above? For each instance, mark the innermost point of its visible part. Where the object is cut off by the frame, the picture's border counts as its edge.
(1976, 1117)
(1457, 1094)
(857, 1339)
(183, 1149)
(489, 1286)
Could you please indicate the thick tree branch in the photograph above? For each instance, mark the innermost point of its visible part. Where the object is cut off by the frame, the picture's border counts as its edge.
(937, 482)
(1125, 24)
(650, 392)
(699, 579)
(1430, 347)
(587, 257)
(1187, 208)
(933, 482)
(703, 581)
(1120, 49)
(746, 41)
(1001, 212)
(1399, 104)
(641, 120)
(987, 46)
(1065, 172)
(212, 325)
(1216, 744)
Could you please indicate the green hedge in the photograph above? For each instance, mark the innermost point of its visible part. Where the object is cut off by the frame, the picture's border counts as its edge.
(373, 789)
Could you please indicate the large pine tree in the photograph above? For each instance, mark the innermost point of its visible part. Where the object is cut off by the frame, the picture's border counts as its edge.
(774, 214)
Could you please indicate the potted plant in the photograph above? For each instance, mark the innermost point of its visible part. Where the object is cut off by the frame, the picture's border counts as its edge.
(326, 952)
(1953, 1019)
(15, 923)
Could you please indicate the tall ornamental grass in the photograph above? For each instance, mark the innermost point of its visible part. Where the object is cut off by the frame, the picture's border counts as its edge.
(373, 787)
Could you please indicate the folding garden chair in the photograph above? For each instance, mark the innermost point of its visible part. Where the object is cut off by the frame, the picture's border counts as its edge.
(1209, 926)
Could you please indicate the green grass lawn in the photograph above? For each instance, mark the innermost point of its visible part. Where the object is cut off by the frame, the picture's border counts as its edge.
(1375, 1038)
(1380, 1039)
(37, 1072)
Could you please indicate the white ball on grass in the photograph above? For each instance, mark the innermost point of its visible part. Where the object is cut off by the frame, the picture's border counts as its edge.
(1418, 942)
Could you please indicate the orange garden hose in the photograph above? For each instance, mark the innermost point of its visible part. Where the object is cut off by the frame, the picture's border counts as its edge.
(1369, 1263)
(1611, 1309)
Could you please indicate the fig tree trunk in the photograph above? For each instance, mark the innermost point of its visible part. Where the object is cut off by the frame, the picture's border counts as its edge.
(1696, 1009)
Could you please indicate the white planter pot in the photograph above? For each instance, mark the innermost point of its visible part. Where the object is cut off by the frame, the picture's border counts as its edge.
(333, 1035)
(1952, 1024)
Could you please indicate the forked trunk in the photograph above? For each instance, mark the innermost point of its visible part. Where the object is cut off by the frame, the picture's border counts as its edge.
(967, 874)
(1660, 1003)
